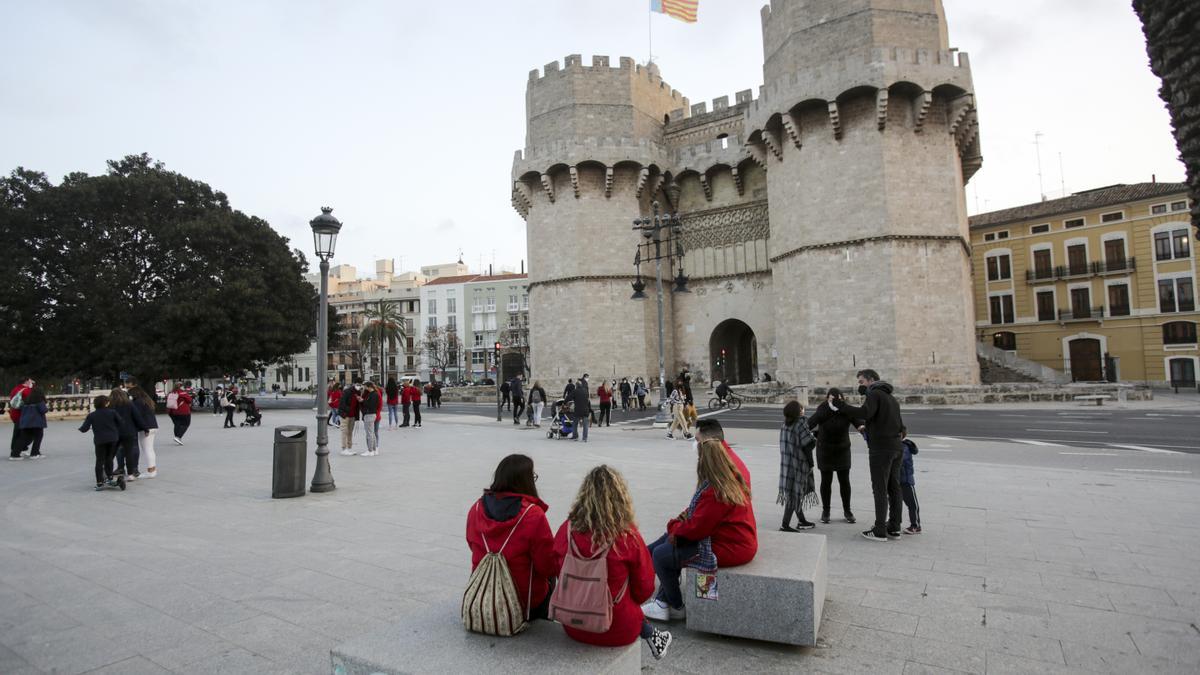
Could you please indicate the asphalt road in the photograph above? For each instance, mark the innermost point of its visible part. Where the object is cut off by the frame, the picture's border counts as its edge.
(1144, 428)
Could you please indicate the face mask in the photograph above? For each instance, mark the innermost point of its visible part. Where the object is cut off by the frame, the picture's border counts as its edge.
(862, 389)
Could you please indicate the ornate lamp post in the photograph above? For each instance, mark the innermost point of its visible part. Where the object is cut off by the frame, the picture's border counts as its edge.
(325, 231)
(662, 242)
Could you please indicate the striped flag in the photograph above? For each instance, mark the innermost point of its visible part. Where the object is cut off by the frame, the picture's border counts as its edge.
(684, 10)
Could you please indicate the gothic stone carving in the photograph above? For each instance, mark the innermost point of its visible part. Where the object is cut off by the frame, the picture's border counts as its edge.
(726, 226)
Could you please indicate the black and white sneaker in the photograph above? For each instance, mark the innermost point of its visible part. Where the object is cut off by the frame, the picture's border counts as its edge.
(659, 642)
(893, 535)
(825, 518)
(805, 525)
(870, 535)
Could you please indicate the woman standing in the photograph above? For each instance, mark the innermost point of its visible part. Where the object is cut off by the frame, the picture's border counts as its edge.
(833, 452)
(414, 394)
(393, 402)
(371, 406)
(334, 396)
(639, 390)
(147, 425)
(127, 444)
(229, 403)
(605, 393)
(33, 422)
(537, 401)
(796, 485)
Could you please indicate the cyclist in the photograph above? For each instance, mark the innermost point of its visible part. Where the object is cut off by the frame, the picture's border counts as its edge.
(722, 392)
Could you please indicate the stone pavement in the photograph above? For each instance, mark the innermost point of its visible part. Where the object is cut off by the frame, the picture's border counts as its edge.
(1020, 568)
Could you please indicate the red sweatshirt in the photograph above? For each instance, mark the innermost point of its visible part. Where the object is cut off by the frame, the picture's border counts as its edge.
(529, 550)
(15, 413)
(628, 560)
(732, 529)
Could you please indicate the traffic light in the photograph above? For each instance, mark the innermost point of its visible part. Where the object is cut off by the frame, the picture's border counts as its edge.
(497, 352)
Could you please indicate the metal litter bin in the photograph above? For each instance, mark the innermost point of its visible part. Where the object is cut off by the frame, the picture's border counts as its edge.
(289, 469)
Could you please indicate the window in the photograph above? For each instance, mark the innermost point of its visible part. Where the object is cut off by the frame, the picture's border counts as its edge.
(452, 322)
(999, 267)
(1158, 209)
(1002, 309)
(1179, 206)
(1045, 306)
(1170, 244)
(451, 304)
(1112, 217)
(1043, 264)
(1077, 259)
(1005, 340)
(1040, 229)
(491, 304)
(525, 301)
(1003, 234)
(479, 359)
(1114, 252)
(1183, 372)
(1074, 222)
(479, 339)
(1118, 300)
(1179, 241)
(433, 305)
(1176, 295)
(1179, 333)
(433, 323)
(1081, 303)
(990, 236)
(724, 139)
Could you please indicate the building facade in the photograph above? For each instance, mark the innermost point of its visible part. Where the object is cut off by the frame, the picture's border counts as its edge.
(464, 316)
(1100, 285)
(825, 224)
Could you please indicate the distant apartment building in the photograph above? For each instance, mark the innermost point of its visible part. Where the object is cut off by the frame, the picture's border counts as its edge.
(1100, 284)
(464, 315)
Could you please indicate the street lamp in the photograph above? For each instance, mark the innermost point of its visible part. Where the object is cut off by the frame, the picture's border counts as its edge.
(325, 231)
(660, 231)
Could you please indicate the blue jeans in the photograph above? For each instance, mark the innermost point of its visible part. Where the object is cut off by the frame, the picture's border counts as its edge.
(581, 422)
(393, 415)
(668, 564)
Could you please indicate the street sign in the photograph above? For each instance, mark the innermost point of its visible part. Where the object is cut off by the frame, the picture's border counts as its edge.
(124, 375)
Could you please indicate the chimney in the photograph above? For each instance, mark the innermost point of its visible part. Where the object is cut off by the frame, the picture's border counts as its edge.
(522, 266)
(489, 269)
(1153, 178)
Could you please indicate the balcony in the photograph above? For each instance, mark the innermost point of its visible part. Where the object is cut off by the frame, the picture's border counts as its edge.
(1041, 275)
(477, 309)
(1080, 314)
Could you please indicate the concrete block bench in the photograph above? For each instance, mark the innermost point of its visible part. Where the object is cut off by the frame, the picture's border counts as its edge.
(778, 597)
(434, 641)
(1098, 398)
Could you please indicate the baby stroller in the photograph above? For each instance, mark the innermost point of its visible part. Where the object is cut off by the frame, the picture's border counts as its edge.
(561, 425)
(250, 407)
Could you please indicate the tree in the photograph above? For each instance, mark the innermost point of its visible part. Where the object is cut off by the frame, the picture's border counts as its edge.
(384, 325)
(1171, 27)
(442, 348)
(146, 271)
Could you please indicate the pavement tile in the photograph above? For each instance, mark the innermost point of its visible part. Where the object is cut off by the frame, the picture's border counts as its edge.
(11, 663)
(76, 650)
(239, 660)
(870, 617)
(907, 648)
(1007, 664)
(137, 665)
(982, 637)
(1105, 660)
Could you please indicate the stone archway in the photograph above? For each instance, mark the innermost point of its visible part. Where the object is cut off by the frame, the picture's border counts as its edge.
(733, 352)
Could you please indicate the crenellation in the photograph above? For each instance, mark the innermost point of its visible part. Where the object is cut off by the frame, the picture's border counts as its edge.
(677, 114)
(720, 103)
(744, 96)
(699, 109)
(573, 61)
(599, 61)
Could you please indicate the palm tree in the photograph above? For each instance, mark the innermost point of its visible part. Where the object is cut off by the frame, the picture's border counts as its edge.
(1170, 28)
(383, 325)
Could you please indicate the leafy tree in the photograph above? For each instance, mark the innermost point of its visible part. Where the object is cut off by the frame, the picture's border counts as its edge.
(143, 270)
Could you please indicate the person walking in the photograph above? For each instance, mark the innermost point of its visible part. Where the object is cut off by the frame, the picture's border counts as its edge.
(33, 422)
(333, 396)
(908, 484)
(582, 412)
(15, 397)
(605, 393)
(505, 393)
(537, 401)
(414, 395)
(102, 422)
(201, 397)
(518, 397)
(350, 411)
(833, 452)
(229, 404)
(393, 402)
(881, 417)
(217, 397)
(179, 409)
(147, 426)
(797, 488)
(371, 405)
(626, 391)
(127, 433)
(678, 415)
(640, 391)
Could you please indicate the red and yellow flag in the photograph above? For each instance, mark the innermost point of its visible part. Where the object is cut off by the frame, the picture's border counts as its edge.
(684, 10)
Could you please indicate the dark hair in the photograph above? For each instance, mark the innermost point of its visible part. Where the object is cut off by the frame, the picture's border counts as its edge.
(118, 397)
(36, 395)
(100, 401)
(792, 411)
(515, 474)
(869, 374)
(710, 428)
(835, 392)
(392, 388)
(356, 380)
(138, 394)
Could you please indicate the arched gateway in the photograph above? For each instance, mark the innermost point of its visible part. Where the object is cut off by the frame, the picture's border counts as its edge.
(733, 352)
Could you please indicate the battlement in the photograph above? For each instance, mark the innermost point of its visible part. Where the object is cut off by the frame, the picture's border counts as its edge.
(572, 64)
(719, 105)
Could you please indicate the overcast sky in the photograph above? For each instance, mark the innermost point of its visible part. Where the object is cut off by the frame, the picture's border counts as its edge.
(404, 115)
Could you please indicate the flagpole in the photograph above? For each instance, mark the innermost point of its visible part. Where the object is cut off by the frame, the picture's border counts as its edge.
(650, 34)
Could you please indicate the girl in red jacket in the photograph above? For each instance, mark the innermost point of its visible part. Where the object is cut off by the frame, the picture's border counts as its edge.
(510, 510)
(602, 516)
(721, 514)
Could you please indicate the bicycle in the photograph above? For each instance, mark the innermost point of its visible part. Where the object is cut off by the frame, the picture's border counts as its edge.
(732, 402)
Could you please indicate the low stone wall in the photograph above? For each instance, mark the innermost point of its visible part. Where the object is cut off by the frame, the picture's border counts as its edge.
(1003, 393)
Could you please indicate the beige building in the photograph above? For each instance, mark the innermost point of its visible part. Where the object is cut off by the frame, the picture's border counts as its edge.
(1099, 285)
(822, 211)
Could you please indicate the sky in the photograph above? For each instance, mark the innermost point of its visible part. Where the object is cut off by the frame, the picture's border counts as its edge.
(404, 115)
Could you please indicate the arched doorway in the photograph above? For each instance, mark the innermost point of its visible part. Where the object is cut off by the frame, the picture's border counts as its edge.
(1085, 360)
(733, 352)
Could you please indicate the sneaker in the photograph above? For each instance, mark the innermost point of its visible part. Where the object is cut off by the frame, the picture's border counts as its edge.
(99, 487)
(131, 477)
(347, 452)
(825, 518)
(111, 482)
(871, 536)
(787, 528)
(40, 455)
(893, 534)
(178, 441)
(688, 437)
(850, 518)
(15, 459)
(153, 473)
(656, 611)
(121, 482)
(659, 642)
(671, 436)
(805, 525)
(912, 530)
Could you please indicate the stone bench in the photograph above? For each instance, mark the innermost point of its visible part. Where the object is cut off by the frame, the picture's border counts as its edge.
(1098, 398)
(434, 641)
(778, 597)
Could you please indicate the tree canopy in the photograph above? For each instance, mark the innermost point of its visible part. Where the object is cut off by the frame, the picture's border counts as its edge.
(146, 271)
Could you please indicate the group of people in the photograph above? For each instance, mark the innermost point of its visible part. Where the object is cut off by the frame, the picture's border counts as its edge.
(717, 527)
(363, 402)
(577, 399)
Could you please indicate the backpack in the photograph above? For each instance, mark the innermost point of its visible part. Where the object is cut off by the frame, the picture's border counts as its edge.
(504, 388)
(490, 604)
(581, 599)
(173, 401)
(17, 401)
(535, 396)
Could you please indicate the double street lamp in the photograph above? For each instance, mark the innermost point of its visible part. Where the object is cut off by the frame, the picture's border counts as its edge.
(325, 231)
(662, 233)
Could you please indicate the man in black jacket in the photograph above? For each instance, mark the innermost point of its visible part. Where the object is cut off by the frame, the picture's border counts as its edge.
(582, 409)
(881, 415)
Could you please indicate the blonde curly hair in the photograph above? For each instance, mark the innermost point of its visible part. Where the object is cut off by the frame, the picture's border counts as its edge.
(603, 507)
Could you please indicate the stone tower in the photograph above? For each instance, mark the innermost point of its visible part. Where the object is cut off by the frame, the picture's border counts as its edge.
(867, 119)
(825, 221)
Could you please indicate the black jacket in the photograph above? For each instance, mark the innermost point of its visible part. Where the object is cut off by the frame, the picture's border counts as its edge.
(583, 404)
(143, 417)
(833, 438)
(881, 414)
(541, 392)
(370, 403)
(104, 424)
(125, 424)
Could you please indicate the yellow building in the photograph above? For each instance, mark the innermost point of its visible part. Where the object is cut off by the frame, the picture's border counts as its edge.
(1099, 285)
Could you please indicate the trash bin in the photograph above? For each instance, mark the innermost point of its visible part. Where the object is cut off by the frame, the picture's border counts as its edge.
(289, 466)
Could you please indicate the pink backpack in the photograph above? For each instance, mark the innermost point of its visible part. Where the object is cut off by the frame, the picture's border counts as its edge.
(581, 599)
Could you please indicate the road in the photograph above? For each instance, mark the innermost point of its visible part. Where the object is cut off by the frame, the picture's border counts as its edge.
(1145, 428)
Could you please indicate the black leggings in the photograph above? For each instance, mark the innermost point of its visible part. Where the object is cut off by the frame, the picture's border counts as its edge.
(105, 452)
(843, 476)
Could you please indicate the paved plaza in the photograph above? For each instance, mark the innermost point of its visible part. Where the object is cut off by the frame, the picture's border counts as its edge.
(1033, 558)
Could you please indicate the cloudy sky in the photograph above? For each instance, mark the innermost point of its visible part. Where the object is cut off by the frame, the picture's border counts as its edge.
(404, 115)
